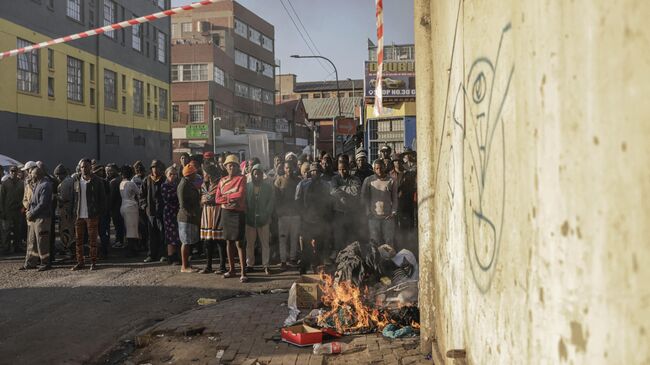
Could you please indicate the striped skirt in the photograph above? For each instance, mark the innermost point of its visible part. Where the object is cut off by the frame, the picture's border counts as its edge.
(210, 219)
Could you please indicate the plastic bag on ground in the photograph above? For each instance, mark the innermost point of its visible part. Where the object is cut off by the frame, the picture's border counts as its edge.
(292, 304)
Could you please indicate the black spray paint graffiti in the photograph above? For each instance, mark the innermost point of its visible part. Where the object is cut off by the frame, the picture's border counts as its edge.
(483, 97)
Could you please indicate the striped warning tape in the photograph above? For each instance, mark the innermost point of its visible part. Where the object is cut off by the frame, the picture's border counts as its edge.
(107, 28)
(380, 57)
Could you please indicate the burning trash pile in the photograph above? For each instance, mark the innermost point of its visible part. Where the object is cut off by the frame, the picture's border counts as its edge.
(374, 289)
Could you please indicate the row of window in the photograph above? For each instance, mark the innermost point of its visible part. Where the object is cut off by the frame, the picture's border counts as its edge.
(76, 136)
(253, 35)
(229, 120)
(28, 75)
(254, 93)
(247, 61)
(74, 10)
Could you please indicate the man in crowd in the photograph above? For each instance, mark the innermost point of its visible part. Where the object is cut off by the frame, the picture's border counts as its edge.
(385, 154)
(11, 197)
(151, 201)
(288, 214)
(105, 217)
(327, 167)
(379, 195)
(114, 203)
(313, 196)
(410, 163)
(90, 203)
(277, 169)
(208, 158)
(65, 208)
(260, 202)
(363, 168)
(39, 216)
(346, 191)
(406, 189)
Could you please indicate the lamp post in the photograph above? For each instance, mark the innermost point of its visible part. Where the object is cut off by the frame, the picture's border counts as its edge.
(338, 97)
(214, 132)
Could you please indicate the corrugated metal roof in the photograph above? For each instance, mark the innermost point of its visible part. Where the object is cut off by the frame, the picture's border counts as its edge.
(328, 108)
(327, 85)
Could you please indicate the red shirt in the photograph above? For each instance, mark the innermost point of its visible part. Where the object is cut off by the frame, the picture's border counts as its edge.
(231, 193)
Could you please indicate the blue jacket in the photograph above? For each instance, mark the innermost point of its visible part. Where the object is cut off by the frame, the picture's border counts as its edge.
(40, 205)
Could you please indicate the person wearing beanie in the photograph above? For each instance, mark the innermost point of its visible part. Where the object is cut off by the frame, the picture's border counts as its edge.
(211, 231)
(170, 212)
(304, 170)
(288, 215)
(363, 170)
(260, 202)
(152, 202)
(231, 195)
(189, 214)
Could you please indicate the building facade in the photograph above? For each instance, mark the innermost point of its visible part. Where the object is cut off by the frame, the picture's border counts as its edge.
(287, 88)
(223, 76)
(395, 126)
(103, 97)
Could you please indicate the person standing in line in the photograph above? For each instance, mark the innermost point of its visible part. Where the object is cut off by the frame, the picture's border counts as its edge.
(379, 196)
(11, 196)
(231, 196)
(138, 178)
(346, 190)
(288, 215)
(152, 202)
(260, 203)
(185, 159)
(130, 209)
(406, 182)
(189, 214)
(65, 209)
(39, 216)
(211, 231)
(170, 213)
(364, 170)
(385, 154)
(277, 169)
(327, 167)
(105, 217)
(90, 200)
(114, 203)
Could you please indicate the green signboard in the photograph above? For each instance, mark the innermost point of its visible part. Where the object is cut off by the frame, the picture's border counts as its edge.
(199, 131)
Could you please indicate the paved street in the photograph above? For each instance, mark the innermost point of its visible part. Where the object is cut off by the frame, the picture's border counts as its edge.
(64, 317)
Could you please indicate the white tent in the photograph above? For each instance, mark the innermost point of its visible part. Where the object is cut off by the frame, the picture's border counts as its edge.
(8, 161)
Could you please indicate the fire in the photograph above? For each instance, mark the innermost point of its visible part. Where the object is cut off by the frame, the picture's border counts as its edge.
(348, 313)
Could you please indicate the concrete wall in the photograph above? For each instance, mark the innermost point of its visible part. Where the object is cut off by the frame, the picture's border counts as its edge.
(533, 170)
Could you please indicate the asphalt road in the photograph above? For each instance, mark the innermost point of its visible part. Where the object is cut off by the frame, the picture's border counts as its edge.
(65, 317)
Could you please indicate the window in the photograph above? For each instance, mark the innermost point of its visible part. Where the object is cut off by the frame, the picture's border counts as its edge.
(254, 36)
(30, 133)
(50, 87)
(136, 37)
(123, 104)
(92, 72)
(267, 43)
(75, 79)
(304, 96)
(241, 58)
(198, 72)
(256, 93)
(161, 4)
(175, 73)
(138, 97)
(112, 139)
(50, 58)
(109, 16)
(175, 113)
(162, 47)
(254, 64)
(27, 73)
(241, 89)
(196, 113)
(110, 89)
(285, 97)
(186, 27)
(162, 99)
(74, 9)
(316, 96)
(241, 28)
(219, 76)
(76, 137)
(326, 95)
(92, 96)
(174, 30)
(123, 82)
(267, 70)
(267, 97)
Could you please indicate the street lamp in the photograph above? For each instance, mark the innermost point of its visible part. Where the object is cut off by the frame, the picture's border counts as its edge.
(338, 97)
(352, 81)
(214, 132)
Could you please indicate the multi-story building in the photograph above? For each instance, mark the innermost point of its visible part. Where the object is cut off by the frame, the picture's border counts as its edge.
(396, 124)
(288, 89)
(223, 78)
(103, 97)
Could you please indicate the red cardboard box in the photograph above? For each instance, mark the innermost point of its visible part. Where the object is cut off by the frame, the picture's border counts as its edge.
(303, 335)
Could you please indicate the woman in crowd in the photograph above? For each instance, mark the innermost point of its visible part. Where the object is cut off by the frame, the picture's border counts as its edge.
(189, 214)
(129, 209)
(231, 195)
(211, 232)
(170, 210)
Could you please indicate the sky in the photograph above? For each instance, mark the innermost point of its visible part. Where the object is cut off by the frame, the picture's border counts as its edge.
(339, 28)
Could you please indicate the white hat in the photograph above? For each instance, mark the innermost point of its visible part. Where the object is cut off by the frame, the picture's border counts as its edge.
(290, 154)
(29, 165)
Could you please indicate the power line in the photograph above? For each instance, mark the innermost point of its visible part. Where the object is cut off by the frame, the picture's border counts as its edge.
(303, 37)
(304, 28)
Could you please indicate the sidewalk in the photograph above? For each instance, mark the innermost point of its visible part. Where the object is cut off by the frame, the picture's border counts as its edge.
(247, 329)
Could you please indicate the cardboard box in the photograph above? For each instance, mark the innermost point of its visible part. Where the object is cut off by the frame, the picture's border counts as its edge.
(308, 293)
(304, 335)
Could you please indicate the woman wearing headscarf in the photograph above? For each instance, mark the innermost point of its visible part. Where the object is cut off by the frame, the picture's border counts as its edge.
(189, 214)
(211, 232)
(170, 210)
(129, 208)
(231, 196)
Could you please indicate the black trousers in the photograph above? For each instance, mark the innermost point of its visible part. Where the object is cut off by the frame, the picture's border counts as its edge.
(156, 237)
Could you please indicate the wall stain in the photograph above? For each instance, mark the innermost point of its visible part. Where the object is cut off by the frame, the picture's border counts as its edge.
(541, 295)
(578, 339)
(565, 228)
(624, 146)
(562, 350)
(596, 141)
(579, 233)
(635, 265)
(534, 212)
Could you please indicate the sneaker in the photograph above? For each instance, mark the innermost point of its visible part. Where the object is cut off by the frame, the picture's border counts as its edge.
(44, 268)
(118, 245)
(78, 267)
(149, 259)
(93, 267)
(207, 270)
(267, 271)
(164, 259)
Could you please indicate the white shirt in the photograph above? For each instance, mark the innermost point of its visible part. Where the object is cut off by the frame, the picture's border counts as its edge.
(83, 200)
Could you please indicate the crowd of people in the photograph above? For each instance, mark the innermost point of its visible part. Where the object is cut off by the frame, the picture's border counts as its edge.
(311, 208)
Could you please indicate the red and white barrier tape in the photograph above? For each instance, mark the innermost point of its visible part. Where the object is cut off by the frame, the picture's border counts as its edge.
(380, 57)
(107, 28)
